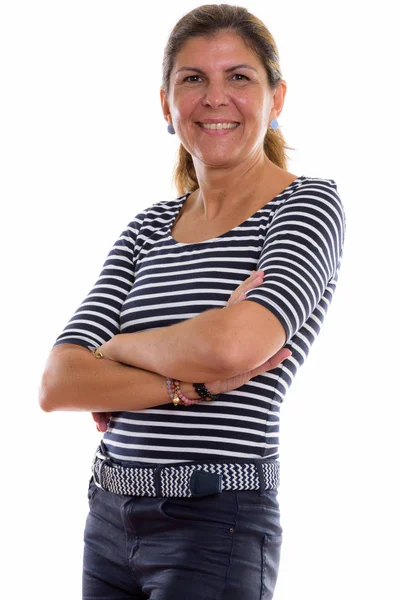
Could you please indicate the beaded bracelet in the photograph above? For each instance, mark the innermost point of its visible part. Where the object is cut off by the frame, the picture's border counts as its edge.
(176, 394)
(202, 391)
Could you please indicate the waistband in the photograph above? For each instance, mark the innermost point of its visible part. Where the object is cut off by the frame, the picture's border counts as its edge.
(183, 480)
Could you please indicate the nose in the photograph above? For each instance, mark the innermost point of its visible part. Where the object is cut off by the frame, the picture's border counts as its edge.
(215, 95)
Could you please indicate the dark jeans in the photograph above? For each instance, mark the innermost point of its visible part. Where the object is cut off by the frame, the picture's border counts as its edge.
(224, 546)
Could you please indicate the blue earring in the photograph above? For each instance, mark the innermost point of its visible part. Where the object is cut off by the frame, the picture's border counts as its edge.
(274, 124)
(170, 129)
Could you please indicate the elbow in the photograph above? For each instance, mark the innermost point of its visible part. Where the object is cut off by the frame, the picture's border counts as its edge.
(44, 403)
(45, 397)
(239, 355)
(53, 388)
(226, 355)
(53, 396)
(249, 338)
(65, 382)
(230, 359)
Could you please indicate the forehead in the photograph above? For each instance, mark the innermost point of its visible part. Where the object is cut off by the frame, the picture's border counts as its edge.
(217, 52)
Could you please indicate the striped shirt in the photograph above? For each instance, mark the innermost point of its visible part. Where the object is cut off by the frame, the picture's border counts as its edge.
(150, 280)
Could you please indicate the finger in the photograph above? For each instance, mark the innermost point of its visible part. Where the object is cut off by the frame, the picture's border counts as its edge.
(254, 281)
(233, 300)
(279, 357)
(96, 416)
(101, 415)
(101, 419)
(102, 426)
(274, 361)
(255, 274)
(249, 279)
(250, 285)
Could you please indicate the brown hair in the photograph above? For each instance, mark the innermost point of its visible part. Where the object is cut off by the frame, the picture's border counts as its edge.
(208, 21)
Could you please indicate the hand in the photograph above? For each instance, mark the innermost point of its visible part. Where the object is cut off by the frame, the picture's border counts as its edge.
(101, 419)
(240, 293)
(226, 385)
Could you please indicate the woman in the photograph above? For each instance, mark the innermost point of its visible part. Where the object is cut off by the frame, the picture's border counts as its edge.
(183, 498)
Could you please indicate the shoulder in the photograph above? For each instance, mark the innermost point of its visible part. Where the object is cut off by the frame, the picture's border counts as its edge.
(317, 196)
(317, 189)
(164, 207)
(157, 212)
(313, 213)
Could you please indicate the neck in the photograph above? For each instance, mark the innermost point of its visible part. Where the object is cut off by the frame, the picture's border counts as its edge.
(223, 190)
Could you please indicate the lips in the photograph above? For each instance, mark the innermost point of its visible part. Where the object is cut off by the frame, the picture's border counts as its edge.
(218, 126)
(217, 122)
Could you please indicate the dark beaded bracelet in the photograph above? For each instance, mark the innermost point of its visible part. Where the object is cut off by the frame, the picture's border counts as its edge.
(204, 393)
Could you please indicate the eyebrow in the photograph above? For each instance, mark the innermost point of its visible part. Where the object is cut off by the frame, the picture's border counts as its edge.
(196, 70)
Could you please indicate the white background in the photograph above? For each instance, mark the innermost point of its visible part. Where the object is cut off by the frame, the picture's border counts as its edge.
(84, 148)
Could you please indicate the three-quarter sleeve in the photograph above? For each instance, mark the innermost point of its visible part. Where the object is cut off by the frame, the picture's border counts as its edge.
(301, 254)
(97, 319)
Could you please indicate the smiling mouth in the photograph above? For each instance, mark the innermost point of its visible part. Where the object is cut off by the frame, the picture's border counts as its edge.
(218, 125)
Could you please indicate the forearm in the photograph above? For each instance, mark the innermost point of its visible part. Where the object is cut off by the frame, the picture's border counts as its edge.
(189, 351)
(74, 380)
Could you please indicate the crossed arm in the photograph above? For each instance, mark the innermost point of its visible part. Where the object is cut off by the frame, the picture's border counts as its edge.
(217, 344)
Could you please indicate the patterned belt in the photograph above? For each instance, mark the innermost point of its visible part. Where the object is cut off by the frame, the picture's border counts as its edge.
(183, 480)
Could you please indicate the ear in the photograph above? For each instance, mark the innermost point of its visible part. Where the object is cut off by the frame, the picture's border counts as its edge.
(279, 99)
(165, 106)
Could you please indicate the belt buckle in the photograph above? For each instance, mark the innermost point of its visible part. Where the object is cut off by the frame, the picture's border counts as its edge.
(204, 483)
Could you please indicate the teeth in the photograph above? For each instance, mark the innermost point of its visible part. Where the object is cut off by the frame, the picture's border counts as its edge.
(219, 125)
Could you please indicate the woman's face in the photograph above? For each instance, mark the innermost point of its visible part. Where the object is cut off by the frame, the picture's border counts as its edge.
(218, 81)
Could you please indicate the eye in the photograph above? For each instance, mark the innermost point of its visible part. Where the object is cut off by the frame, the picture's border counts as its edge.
(242, 77)
(191, 78)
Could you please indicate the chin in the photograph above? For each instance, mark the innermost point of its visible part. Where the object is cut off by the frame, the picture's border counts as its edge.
(218, 159)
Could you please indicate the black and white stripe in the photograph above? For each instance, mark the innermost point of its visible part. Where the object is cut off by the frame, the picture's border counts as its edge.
(149, 280)
(175, 480)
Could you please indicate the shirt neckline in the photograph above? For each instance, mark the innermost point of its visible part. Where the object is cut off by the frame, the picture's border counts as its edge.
(293, 184)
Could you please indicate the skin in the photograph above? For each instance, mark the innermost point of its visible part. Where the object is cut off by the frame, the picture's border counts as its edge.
(232, 169)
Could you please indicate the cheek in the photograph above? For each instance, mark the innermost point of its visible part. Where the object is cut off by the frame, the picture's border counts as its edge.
(252, 107)
(184, 104)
